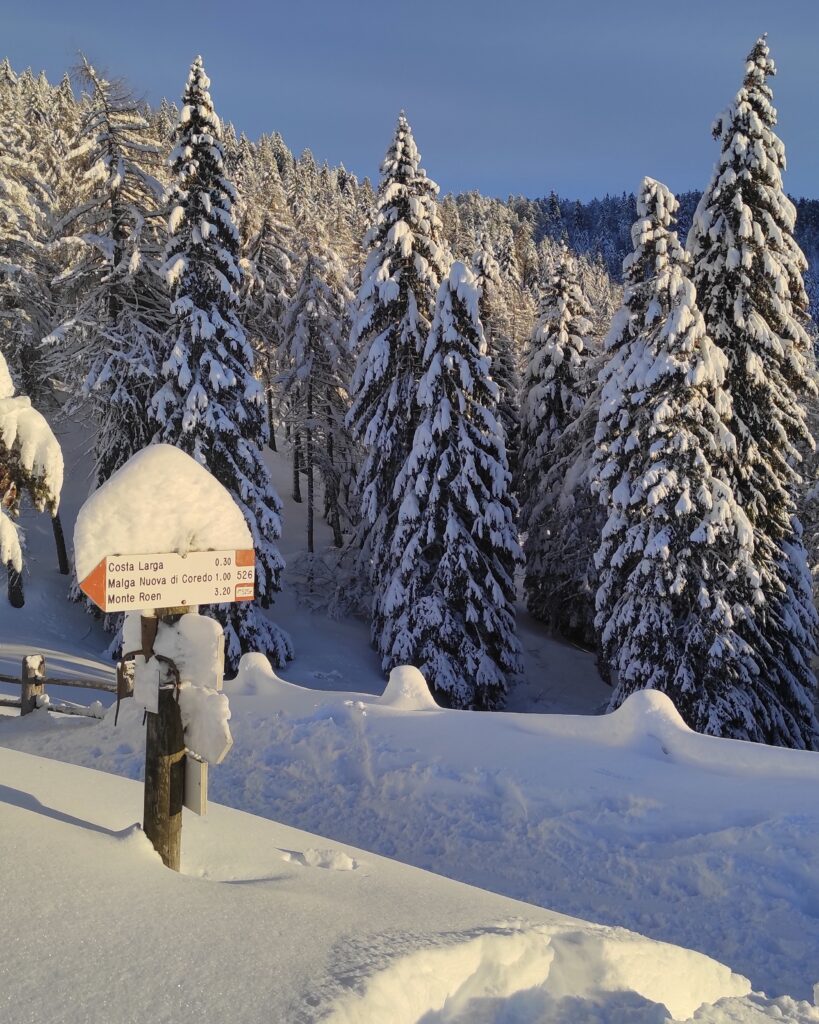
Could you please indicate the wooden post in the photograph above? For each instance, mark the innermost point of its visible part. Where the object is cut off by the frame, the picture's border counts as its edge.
(59, 540)
(33, 684)
(164, 759)
(125, 679)
(125, 684)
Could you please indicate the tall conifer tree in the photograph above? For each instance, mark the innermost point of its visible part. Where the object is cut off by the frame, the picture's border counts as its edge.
(678, 579)
(27, 207)
(313, 381)
(448, 606)
(116, 305)
(210, 404)
(557, 389)
(268, 285)
(392, 314)
(561, 577)
(554, 382)
(495, 321)
(748, 271)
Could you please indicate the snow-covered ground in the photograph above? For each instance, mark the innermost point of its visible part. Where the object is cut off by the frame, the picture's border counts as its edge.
(268, 923)
(627, 820)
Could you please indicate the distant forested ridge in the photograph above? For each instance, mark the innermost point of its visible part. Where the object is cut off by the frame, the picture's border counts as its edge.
(602, 227)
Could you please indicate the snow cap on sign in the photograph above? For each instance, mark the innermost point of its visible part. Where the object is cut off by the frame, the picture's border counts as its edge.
(160, 501)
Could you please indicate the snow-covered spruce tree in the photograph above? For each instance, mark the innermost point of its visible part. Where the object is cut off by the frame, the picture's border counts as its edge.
(567, 524)
(748, 271)
(210, 404)
(448, 605)
(313, 382)
(58, 141)
(554, 388)
(602, 293)
(303, 190)
(520, 299)
(495, 321)
(115, 304)
(570, 520)
(26, 268)
(392, 314)
(268, 284)
(31, 464)
(344, 226)
(164, 121)
(676, 559)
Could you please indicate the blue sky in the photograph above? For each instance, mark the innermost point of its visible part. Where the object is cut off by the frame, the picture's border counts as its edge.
(580, 96)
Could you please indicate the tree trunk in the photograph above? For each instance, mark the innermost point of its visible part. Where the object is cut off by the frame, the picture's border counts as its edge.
(296, 468)
(59, 540)
(335, 518)
(328, 488)
(16, 597)
(309, 462)
(331, 495)
(268, 384)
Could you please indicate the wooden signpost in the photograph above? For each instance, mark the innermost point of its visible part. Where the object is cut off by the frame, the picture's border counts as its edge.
(164, 498)
(164, 587)
(164, 760)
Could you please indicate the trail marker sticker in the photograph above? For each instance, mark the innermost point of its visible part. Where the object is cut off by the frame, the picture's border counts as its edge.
(124, 583)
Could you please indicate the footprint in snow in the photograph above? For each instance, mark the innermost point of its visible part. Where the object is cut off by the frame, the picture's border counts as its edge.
(335, 860)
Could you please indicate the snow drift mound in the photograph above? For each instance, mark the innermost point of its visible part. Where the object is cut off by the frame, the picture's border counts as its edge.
(256, 678)
(538, 967)
(647, 715)
(649, 723)
(407, 690)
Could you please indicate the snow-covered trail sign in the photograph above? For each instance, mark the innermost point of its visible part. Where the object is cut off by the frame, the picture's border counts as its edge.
(163, 527)
(163, 500)
(124, 583)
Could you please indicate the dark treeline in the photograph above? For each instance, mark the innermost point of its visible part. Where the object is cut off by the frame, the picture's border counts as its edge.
(601, 228)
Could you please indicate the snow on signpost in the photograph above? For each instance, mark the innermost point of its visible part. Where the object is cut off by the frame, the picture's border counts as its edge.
(161, 536)
(160, 533)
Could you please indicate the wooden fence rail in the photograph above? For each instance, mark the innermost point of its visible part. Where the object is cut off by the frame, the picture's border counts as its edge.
(33, 682)
(85, 684)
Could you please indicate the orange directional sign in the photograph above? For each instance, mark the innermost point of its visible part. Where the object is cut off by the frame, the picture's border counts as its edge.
(124, 583)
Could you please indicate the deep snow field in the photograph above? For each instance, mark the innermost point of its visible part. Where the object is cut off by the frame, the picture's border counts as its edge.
(628, 821)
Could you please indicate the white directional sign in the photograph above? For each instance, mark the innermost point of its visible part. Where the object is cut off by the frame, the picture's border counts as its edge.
(123, 583)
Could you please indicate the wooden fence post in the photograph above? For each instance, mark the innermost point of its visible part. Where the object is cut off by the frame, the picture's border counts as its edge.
(32, 682)
(164, 759)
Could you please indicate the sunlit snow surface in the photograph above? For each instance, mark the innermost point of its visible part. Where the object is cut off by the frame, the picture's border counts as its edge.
(626, 820)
